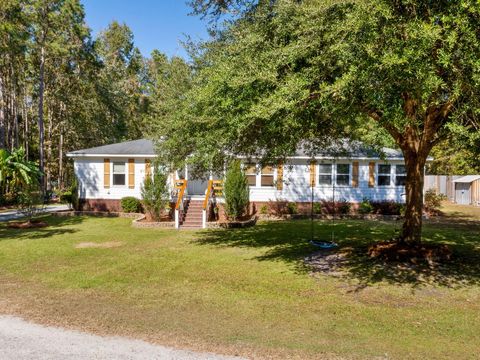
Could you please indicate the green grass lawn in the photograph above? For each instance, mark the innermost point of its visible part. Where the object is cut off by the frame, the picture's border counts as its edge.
(247, 291)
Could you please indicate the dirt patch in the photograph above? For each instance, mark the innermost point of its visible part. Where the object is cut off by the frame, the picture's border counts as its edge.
(329, 262)
(105, 245)
(31, 224)
(393, 251)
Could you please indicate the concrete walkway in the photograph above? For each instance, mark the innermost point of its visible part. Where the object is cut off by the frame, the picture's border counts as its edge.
(20, 339)
(14, 214)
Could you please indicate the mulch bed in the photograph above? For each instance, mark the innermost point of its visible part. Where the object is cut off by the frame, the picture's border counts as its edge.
(393, 251)
(30, 224)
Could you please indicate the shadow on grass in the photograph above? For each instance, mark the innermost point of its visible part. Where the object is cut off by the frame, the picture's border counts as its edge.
(56, 226)
(288, 242)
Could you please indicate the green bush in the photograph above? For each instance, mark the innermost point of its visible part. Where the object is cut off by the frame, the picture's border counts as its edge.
(155, 194)
(317, 208)
(264, 210)
(66, 197)
(433, 200)
(365, 207)
(292, 208)
(130, 204)
(236, 191)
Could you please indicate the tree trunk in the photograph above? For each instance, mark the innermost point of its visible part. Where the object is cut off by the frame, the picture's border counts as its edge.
(40, 118)
(60, 161)
(2, 117)
(412, 226)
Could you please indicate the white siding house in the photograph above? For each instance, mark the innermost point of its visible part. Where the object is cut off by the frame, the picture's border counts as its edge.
(108, 173)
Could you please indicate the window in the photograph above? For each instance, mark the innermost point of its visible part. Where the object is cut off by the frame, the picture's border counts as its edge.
(325, 174)
(251, 173)
(384, 175)
(400, 175)
(343, 174)
(267, 176)
(118, 173)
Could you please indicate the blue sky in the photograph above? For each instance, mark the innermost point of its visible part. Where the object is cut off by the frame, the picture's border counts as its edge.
(156, 24)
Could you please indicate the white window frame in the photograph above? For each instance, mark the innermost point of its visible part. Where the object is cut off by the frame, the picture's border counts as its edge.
(332, 178)
(125, 173)
(258, 176)
(349, 174)
(403, 175)
(334, 174)
(391, 175)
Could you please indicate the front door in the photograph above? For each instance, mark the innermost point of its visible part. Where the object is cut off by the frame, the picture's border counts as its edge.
(197, 186)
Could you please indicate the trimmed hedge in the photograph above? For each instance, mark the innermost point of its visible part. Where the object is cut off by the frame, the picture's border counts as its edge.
(130, 204)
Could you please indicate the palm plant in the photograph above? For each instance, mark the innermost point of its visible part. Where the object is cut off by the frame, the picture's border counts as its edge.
(16, 172)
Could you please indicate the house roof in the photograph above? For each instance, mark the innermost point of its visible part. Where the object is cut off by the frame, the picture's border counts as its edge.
(146, 148)
(349, 149)
(141, 147)
(467, 179)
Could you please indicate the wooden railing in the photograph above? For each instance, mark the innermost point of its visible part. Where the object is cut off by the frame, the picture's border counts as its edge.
(181, 185)
(215, 188)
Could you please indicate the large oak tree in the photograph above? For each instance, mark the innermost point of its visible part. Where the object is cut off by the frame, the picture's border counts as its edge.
(287, 71)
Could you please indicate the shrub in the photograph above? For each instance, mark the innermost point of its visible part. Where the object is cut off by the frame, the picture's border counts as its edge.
(236, 191)
(264, 210)
(387, 207)
(66, 197)
(365, 207)
(432, 200)
(292, 208)
(344, 207)
(130, 204)
(317, 208)
(155, 194)
(30, 201)
(278, 207)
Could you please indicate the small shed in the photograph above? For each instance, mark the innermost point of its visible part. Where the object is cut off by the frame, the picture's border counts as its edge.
(467, 190)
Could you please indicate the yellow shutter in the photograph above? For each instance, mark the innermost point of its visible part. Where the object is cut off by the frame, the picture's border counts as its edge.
(280, 177)
(312, 173)
(148, 168)
(355, 174)
(106, 173)
(131, 173)
(371, 173)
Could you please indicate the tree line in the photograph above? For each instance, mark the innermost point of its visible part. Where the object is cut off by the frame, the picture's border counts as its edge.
(61, 89)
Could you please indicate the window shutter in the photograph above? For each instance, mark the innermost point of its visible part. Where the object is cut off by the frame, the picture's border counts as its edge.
(131, 173)
(280, 177)
(148, 168)
(371, 173)
(355, 174)
(312, 173)
(106, 173)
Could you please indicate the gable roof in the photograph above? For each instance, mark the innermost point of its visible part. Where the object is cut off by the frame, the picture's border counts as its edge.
(146, 148)
(141, 147)
(467, 179)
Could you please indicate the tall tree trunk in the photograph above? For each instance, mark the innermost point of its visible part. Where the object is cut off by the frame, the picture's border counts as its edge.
(40, 118)
(412, 226)
(2, 116)
(60, 161)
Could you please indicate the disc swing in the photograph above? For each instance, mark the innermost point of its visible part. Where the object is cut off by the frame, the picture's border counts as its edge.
(319, 243)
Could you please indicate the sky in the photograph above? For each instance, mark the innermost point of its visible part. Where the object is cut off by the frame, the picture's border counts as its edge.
(156, 24)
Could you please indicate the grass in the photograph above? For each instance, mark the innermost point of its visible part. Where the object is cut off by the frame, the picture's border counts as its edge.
(247, 291)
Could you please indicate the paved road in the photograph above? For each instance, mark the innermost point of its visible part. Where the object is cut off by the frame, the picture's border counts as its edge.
(20, 339)
(14, 214)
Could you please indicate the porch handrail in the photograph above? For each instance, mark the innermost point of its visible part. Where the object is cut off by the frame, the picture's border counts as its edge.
(207, 194)
(182, 187)
(212, 189)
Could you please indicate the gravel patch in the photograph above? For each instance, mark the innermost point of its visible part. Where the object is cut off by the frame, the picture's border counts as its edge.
(20, 339)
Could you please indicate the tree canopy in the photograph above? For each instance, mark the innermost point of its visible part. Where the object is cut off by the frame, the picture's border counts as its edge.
(289, 71)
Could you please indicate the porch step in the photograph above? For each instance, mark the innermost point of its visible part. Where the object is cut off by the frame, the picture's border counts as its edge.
(192, 218)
